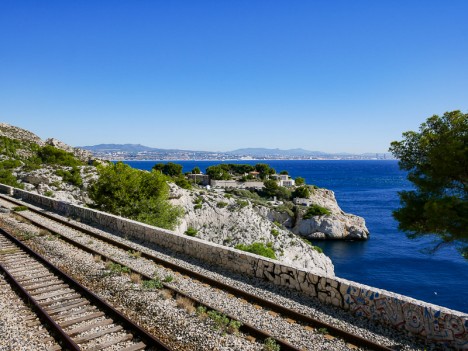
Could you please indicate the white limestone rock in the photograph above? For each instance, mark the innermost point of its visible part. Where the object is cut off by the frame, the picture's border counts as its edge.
(337, 225)
(232, 221)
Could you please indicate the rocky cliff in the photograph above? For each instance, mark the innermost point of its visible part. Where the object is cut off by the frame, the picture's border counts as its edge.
(230, 221)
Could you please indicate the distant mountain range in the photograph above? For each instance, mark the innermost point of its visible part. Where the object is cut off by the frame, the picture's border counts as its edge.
(141, 152)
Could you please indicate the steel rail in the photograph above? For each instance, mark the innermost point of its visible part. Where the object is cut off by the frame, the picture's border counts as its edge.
(289, 313)
(150, 340)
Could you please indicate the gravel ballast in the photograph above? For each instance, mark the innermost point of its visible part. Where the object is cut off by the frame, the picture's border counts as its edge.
(278, 326)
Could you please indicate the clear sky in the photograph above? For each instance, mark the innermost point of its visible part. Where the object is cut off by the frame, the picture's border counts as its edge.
(219, 75)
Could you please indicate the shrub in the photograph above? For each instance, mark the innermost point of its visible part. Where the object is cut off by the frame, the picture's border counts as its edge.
(10, 164)
(135, 194)
(198, 207)
(73, 176)
(274, 232)
(302, 192)
(316, 210)
(221, 204)
(316, 248)
(191, 231)
(20, 208)
(220, 320)
(49, 193)
(258, 249)
(271, 345)
(7, 178)
(183, 183)
(242, 203)
(51, 155)
(154, 283)
(168, 279)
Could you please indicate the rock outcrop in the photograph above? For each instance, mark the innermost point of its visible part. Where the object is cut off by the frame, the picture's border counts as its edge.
(83, 155)
(337, 225)
(231, 221)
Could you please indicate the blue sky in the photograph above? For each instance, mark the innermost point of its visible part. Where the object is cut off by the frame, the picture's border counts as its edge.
(219, 75)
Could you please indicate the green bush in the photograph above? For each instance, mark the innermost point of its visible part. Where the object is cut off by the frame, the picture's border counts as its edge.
(135, 194)
(7, 178)
(274, 232)
(10, 164)
(316, 248)
(51, 155)
(191, 231)
(152, 284)
(258, 249)
(73, 176)
(221, 204)
(271, 345)
(315, 210)
(183, 183)
(242, 203)
(20, 208)
(302, 192)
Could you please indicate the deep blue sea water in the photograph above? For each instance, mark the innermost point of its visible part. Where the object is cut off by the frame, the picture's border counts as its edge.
(388, 260)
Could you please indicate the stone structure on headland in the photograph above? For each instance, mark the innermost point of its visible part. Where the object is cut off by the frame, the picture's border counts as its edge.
(434, 323)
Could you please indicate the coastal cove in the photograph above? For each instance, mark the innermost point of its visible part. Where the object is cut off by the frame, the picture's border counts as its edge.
(388, 260)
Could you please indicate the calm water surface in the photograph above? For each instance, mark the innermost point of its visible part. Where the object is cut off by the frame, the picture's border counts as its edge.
(389, 260)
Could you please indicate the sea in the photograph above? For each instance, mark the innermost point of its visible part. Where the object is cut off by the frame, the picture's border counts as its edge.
(389, 259)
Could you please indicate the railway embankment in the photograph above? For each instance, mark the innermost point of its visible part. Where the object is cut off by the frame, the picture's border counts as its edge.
(435, 324)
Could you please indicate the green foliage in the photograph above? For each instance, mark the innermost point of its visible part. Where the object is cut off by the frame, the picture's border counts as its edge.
(278, 224)
(299, 181)
(73, 176)
(221, 320)
(244, 193)
(196, 170)
(197, 206)
(191, 231)
(258, 249)
(168, 279)
(20, 208)
(436, 161)
(10, 164)
(271, 345)
(7, 178)
(135, 194)
(183, 183)
(286, 208)
(270, 187)
(9, 147)
(152, 284)
(116, 268)
(201, 310)
(274, 232)
(242, 203)
(53, 156)
(170, 169)
(218, 172)
(49, 193)
(302, 192)
(284, 172)
(221, 204)
(134, 254)
(316, 248)
(315, 210)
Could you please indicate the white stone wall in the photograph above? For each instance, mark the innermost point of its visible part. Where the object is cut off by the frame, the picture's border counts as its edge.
(435, 323)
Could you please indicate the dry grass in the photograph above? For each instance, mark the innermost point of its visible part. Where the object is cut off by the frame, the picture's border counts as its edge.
(97, 258)
(166, 294)
(21, 219)
(135, 278)
(44, 232)
(186, 304)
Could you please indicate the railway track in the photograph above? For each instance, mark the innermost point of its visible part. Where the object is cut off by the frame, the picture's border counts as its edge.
(79, 318)
(332, 331)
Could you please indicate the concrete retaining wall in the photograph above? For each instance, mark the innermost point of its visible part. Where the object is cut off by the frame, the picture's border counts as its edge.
(434, 323)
